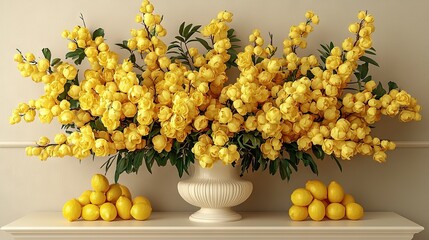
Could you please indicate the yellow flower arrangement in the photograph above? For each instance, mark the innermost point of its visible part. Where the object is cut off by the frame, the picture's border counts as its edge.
(172, 104)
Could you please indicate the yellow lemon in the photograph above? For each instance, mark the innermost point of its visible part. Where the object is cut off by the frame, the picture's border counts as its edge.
(335, 192)
(123, 206)
(72, 210)
(108, 211)
(298, 213)
(97, 198)
(301, 197)
(335, 211)
(141, 199)
(317, 189)
(125, 191)
(113, 193)
(141, 211)
(316, 210)
(354, 211)
(84, 198)
(90, 212)
(348, 199)
(86, 192)
(99, 183)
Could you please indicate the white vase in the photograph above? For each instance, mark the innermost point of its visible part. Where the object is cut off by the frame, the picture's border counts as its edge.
(215, 190)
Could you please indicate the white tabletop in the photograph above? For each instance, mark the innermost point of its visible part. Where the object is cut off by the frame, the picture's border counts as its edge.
(175, 225)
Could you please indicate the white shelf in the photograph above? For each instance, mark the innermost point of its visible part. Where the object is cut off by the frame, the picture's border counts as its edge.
(175, 225)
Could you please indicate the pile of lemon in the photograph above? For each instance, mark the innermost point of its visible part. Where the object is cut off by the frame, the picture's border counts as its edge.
(108, 202)
(317, 201)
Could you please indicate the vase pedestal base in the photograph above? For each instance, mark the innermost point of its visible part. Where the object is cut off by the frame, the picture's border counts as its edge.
(215, 215)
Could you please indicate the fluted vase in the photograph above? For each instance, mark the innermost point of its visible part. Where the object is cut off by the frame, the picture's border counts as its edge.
(215, 190)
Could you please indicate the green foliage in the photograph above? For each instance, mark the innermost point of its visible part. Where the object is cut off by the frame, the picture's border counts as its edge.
(180, 50)
(77, 55)
(379, 91)
(289, 159)
(179, 156)
(47, 53)
(232, 52)
(98, 33)
(325, 52)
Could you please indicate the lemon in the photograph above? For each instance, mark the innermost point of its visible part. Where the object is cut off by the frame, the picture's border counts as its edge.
(316, 210)
(348, 199)
(125, 191)
(87, 192)
(113, 193)
(99, 183)
(97, 198)
(141, 211)
(317, 189)
(141, 199)
(335, 192)
(90, 212)
(354, 211)
(108, 211)
(84, 198)
(335, 211)
(123, 206)
(72, 210)
(301, 197)
(298, 213)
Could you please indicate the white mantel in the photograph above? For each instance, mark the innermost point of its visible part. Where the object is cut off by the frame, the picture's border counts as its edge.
(175, 225)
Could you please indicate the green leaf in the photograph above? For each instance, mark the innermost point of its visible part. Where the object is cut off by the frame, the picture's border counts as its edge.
(180, 38)
(78, 55)
(124, 45)
(367, 79)
(74, 104)
(338, 162)
(204, 43)
(173, 46)
(179, 166)
(55, 61)
(98, 33)
(331, 46)
(121, 165)
(308, 160)
(274, 165)
(284, 169)
(318, 152)
(75, 53)
(181, 28)
(63, 95)
(132, 58)
(138, 160)
(369, 60)
(379, 91)
(192, 32)
(149, 160)
(364, 70)
(325, 48)
(186, 30)
(47, 53)
(99, 125)
(392, 85)
(369, 52)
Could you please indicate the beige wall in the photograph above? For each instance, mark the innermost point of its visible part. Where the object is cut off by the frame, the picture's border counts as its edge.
(400, 185)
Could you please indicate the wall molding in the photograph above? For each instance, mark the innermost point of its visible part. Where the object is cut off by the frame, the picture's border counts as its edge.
(20, 144)
(399, 144)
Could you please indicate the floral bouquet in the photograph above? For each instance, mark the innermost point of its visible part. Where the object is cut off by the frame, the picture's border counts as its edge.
(175, 104)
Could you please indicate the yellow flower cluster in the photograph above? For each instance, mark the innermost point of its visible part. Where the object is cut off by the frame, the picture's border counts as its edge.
(156, 101)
